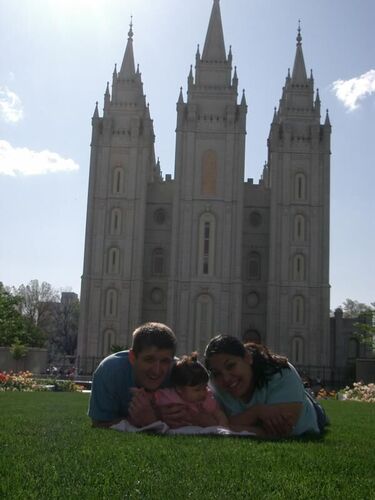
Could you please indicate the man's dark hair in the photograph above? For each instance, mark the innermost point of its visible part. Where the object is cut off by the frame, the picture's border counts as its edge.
(188, 371)
(153, 335)
(265, 363)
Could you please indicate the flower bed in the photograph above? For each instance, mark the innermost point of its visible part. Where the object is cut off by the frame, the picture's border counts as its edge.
(25, 382)
(359, 392)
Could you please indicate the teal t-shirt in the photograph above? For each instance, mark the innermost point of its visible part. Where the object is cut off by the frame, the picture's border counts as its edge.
(283, 387)
(111, 388)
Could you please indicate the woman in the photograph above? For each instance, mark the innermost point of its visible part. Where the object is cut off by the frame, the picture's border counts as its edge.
(260, 391)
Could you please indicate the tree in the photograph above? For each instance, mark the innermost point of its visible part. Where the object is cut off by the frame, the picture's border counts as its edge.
(13, 326)
(63, 340)
(37, 301)
(353, 308)
(365, 327)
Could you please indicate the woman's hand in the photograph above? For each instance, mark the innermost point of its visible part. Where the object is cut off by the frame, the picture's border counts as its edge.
(276, 420)
(279, 419)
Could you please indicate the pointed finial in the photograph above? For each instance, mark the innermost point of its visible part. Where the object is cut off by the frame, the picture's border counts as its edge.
(243, 100)
(327, 120)
(180, 97)
(96, 111)
(274, 115)
(288, 73)
(299, 37)
(197, 55)
(130, 33)
(115, 70)
(317, 95)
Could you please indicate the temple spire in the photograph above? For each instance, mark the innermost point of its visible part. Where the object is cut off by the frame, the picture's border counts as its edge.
(214, 47)
(128, 67)
(299, 70)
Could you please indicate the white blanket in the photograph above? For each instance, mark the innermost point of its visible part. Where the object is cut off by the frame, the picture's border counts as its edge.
(162, 428)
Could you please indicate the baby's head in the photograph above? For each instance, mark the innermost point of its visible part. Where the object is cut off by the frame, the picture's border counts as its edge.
(189, 377)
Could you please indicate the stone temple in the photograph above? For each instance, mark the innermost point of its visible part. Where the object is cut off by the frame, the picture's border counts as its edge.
(206, 251)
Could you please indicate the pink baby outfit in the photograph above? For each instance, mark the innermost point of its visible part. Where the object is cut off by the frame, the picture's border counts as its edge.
(165, 397)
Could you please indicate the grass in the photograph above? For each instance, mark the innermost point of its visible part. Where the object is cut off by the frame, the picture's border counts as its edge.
(48, 450)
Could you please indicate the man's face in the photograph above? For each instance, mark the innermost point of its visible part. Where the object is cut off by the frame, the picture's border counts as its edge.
(151, 366)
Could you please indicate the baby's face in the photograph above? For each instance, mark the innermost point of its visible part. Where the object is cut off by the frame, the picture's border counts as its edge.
(193, 393)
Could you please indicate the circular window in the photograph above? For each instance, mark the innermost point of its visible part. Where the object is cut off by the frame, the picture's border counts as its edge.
(157, 295)
(252, 299)
(159, 216)
(255, 219)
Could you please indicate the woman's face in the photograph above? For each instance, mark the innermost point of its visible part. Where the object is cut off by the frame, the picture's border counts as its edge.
(233, 374)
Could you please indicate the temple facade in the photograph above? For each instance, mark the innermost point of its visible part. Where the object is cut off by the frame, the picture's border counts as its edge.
(206, 251)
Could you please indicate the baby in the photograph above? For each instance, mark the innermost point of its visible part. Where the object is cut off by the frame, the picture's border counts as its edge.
(189, 379)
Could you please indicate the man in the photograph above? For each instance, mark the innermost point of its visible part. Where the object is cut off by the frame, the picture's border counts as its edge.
(146, 365)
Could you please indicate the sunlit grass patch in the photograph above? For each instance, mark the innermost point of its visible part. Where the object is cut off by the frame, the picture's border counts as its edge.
(49, 450)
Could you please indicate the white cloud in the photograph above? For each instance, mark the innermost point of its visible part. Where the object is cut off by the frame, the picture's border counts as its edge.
(350, 92)
(10, 105)
(24, 161)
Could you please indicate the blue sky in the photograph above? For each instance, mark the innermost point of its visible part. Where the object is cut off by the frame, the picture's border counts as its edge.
(57, 56)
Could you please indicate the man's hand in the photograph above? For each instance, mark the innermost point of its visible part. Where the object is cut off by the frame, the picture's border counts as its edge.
(141, 410)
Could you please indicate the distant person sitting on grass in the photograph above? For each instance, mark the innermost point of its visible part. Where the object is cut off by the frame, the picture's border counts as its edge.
(189, 379)
(146, 365)
(260, 391)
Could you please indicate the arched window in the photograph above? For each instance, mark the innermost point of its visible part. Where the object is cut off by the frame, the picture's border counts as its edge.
(299, 228)
(254, 267)
(300, 187)
(298, 308)
(297, 350)
(209, 173)
(206, 244)
(111, 303)
(108, 341)
(118, 181)
(203, 322)
(115, 225)
(113, 265)
(299, 267)
(158, 261)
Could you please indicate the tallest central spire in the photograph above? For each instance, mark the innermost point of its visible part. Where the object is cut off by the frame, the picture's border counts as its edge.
(214, 47)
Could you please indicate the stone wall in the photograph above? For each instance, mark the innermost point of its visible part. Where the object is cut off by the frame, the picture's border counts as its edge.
(35, 360)
(365, 370)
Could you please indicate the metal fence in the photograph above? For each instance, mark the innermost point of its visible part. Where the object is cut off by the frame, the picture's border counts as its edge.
(326, 375)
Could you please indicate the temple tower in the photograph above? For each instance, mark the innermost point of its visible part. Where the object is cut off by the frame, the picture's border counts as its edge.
(205, 276)
(299, 183)
(121, 165)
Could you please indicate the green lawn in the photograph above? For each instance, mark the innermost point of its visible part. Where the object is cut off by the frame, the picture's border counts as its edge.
(48, 450)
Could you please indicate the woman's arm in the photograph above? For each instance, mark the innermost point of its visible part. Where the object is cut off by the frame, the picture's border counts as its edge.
(275, 420)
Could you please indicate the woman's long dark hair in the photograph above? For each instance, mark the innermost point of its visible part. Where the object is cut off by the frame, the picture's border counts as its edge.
(265, 363)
